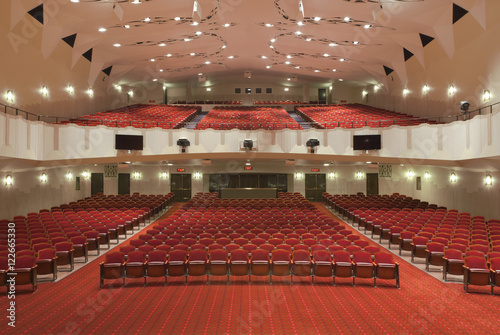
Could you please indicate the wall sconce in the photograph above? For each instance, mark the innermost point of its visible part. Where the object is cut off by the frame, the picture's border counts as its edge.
(427, 175)
(286, 89)
(118, 88)
(298, 175)
(452, 90)
(137, 175)
(486, 95)
(197, 175)
(44, 91)
(359, 175)
(331, 175)
(488, 181)
(10, 96)
(453, 178)
(364, 93)
(406, 92)
(69, 175)
(410, 174)
(70, 89)
(9, 180)
(426, 89)
(86, 174)
(209, 89)
(376, 88)
(90, 92)
(130, 93)
(43, 178)
(164, 175)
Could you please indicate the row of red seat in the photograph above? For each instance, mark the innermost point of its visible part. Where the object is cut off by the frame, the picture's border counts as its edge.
(140, 116)
(218, 263)
(356, 116)
(444, 238)
(247, 118)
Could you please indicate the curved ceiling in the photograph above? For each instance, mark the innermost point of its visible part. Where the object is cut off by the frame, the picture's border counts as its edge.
(315, 40)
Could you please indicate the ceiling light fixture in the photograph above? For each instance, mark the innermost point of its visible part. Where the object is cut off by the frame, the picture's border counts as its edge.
(127, 26)
(355, 42)
(340, 79)
(162, 44)
(136, 2)
(269, 25)
(90, 92)
(273, 40)
(198, 33)
(486, 95)
(155, 79)
(187, 39)
(268, 66)
(342, 59)
(193, 53)
(147, 19)
(308, 39)
(316, 70)
(425, 89)
(317, 18)
(44, 90)
(300, 23)
(102, 30)
(227, 25)
(334, 70)
(153, 60)
(297, 67)
(289, 56)
(263, 57)
(194, 23)
(70, 89)
(367, 26)
(452, 90)
(230, 57)
(298, 33)
(177, 18)
(287, 63)
(347, 19)
(207, 62)
(332, 44)
(224, 46)
(406, 92)
(168, 55)
(326, 55)
(200, 73)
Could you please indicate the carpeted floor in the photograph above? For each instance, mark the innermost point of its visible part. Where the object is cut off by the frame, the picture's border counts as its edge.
(423, 305)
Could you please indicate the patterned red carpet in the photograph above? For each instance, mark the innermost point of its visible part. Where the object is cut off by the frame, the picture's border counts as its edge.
(423, 305)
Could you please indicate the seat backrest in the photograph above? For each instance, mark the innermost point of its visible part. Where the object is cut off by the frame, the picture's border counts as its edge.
(178, 255)
(473, 262)
(362, 257)
(383, 258)
(341, 256)
(260, 255)
(453, 254)
(301, 255)
(197, 255)
(25, 262)
(136, 256)
(48, 253)
(239, 255)
(157, 256)
(218, 255)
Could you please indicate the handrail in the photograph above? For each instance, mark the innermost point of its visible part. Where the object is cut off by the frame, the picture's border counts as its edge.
(275, 125)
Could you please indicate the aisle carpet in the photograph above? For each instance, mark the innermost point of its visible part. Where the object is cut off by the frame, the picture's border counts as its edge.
(423, 305)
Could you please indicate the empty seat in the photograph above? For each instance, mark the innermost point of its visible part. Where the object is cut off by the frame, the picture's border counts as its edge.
(112, 267)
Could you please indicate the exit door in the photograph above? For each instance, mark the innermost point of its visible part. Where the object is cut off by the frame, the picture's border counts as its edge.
(322, 95)
(372, 183)
(180, 185)
(315, 187)
(96, 183)
(124, 183)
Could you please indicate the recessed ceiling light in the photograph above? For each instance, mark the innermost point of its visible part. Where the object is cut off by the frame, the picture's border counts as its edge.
(168, 55)
(224, 46)
(271, 47)
(160, 70)
(316, 70)
(263, 57)
(170, 164)
(126, 26)
(152, 59)
(147, 19)
(187, 39)
(227, 25)
(200, 74)
(102, 30)
(198, 33)
(136, 2)
(300, 23)
(297, 67)
(117, 45)
(268, 66)
(209, 89)
(273, 40)
(286, 89)
(155, 79)
(317, 18)
(193, 53)
(177, 18)
(289, 56)
(162, 44)
(308, 39)
(287, 63)
(367, 26)
(341, 79)
(332, 44)
(288, 79)
(298, 33)
(230, 57)
(207, 62)
(347, 19)
(326, 55)
(75, 1)
(342, 59)
(326, 164)
(248, 164)
(334, 70)
(355, 42)
(269, 25)
(194, 23)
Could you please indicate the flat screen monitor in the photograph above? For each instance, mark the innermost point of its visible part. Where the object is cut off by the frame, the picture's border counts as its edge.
(367, 142)
(129, 142)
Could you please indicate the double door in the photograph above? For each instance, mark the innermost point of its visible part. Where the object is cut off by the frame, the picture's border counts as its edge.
(315, 187)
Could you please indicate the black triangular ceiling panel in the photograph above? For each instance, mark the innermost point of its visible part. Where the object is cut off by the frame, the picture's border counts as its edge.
(107, 70)
(70, 40)
(88, 54)
(407, 54)
(37, 13)
(388, 70)
(458, 12)
(425, 39)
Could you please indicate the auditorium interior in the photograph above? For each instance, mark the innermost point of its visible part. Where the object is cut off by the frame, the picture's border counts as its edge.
(238, 167)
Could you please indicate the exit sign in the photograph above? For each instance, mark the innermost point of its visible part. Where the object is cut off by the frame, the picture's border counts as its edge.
(314, 170)
(181, 170)
(248, 167)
